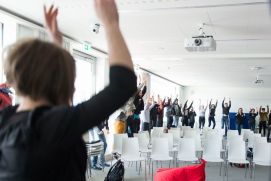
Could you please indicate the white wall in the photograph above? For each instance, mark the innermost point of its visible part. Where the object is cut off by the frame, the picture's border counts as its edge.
(241, 97)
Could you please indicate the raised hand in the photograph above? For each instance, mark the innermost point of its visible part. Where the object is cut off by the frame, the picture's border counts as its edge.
(51, 24)
(107, 12)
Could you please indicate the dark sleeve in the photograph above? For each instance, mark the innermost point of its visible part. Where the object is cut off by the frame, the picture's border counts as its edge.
(144, 91)
(216, 104)
(223, 103)
(67, 124)
(190, 106)
(106, 124)
(229, 105)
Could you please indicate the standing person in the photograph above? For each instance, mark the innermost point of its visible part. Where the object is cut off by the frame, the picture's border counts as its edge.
(146, 115)
(43, 134)
(225, 117)
(154, 114)
(169, 113)
(192, 115)
(202, 111)
(263, 119)
(130, 122)
(139, 106)
(160, 112)
(101, 135)
(185, 117)
(212, 109)
(177, 112)
(240, 119)
(252, 119)
(120, 123)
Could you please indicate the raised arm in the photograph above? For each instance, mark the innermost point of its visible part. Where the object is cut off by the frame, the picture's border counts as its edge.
(185, 105)
(216, 103)
(190, 106)
(223, 102)
(50, 16)
(260, 110)
(210, 104)
(71, 122)
(206, 105)
(229, 103)
(267, 109)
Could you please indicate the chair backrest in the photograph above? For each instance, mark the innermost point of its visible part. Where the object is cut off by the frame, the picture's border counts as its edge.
(212, 145)
(169, 136)
(160, 147)
(143, 141)
(187, 147)
(262, 153)
(130, 147)
(186, 128)
(156, 132)
(189, 133)
(232, 133)
(117, 143)
(176, 135)
(236, 148)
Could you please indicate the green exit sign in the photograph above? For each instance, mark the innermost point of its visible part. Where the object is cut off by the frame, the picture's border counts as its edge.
(87, 46)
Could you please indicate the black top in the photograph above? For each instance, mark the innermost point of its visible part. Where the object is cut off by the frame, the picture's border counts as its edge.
(226, 110)
(212, 110)
(240, 118)
(139, 102)
(269, 120)
(46, 144)
(192, 115)
(103, 124)
(154, 112)
(252, 116)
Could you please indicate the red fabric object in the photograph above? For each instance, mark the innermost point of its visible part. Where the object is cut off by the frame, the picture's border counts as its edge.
(189, 173)
(5, 99)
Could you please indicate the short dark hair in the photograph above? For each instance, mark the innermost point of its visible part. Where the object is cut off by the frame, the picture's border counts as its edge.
(41, 70)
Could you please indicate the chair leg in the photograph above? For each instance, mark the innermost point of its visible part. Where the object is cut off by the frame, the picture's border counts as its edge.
(246, 171)
(139, 168)
(227, 171)
(145, 170)
(220, 168)
(152, 169)
(136, 165)
(169, 163)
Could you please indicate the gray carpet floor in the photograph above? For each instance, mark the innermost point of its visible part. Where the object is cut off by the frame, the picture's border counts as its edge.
(212, 173)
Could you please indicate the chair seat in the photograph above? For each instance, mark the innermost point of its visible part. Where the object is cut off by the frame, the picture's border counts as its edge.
(132, 158)
(189, 159)
(237, 160)
(161, 157)
(212, 159)
(145, 151)
(262, 163)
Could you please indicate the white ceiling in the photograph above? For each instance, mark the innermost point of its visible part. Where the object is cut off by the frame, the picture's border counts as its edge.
(155, 31)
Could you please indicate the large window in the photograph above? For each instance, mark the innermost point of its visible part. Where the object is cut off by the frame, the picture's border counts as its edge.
(85, 77)
(163, 88)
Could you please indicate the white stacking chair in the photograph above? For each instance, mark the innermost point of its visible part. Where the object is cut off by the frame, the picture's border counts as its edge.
(117, 142)
(236, 152)
(156, 132)
(186, 150)
(176, 135)
(160, 151)
(212, 149)
(261, 154)
(130, 153)
(189, 133)
(232, 133)
(144, 142)
(169, 136)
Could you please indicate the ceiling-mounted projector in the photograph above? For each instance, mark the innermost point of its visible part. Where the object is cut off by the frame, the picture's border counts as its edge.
(200, 44)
